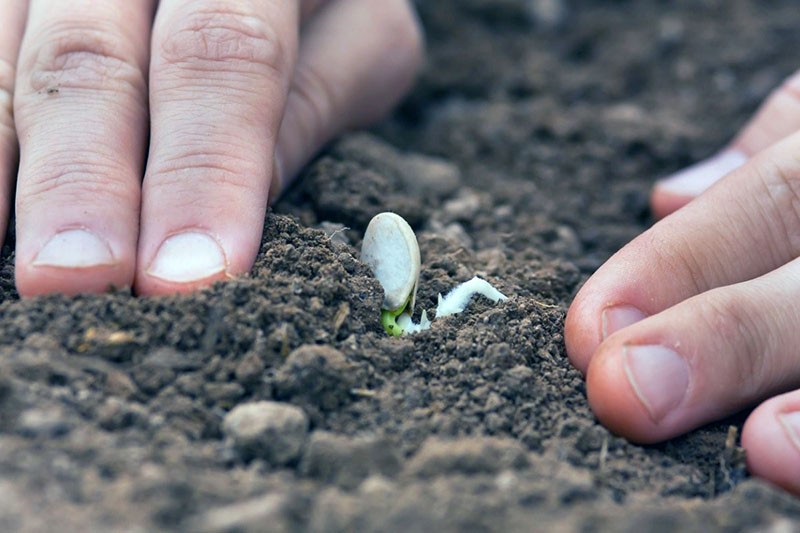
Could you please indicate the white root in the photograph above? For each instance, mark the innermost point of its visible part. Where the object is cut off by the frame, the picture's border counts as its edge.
(390, 249)
(458, 298)
(408, 325)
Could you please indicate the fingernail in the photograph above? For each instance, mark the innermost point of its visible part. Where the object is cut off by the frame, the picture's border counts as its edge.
(697, 178)
(186, 257)
(791, 425)
(75, 248)
(617, 317)
(658, 375)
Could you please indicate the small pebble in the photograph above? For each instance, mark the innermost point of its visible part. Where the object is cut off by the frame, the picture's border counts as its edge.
(317, 376)
(48, 423)
(272, 431)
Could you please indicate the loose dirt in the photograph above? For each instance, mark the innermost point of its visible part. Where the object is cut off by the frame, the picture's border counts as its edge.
(525, 155)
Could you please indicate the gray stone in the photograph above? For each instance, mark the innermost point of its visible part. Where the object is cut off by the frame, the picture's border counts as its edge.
(548, 14)
(272, 431)
(316, 376)
(43, 422)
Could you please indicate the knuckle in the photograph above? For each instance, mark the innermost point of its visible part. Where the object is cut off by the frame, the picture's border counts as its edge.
(78, 183)
(741, 342)
(781, 184)
(73, 57)
(204, 168)
(315, 98)
(676, 257)
(221, 35)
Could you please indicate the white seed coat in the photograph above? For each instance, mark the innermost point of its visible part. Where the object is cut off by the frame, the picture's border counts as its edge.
(390, 249)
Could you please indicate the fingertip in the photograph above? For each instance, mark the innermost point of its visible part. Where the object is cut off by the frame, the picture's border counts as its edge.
(147, 285)
(614, 401)
(771, 439)
(35, 281)
(673, 192)
(664, 202)
(581, 336)
(72, 261)
(596, 314)
(191, 259)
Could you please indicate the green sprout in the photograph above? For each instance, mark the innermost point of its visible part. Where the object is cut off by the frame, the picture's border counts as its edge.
(390, 249)
(389, 320)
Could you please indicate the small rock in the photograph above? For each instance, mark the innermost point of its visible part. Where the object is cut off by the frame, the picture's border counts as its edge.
(272, 431)
(463, 207)
(151, 378)
(376, 486)
(455, 232)
(471, 455)
(430, 175)
(503, 213)
(40, 422)
(518, 380)
(548, 14)
(223, 394)
(320, 376)
(116, 414)
(119, 384)
(501, 355)
(250, 368)
(671, 31)
(171, 358)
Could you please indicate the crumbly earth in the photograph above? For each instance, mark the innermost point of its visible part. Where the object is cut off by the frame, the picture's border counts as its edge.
(525, 155)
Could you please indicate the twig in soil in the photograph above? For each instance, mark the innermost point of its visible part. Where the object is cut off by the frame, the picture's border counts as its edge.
(546, 305)
(337, 232)
(731, 463)
(341, 315)
(363, 393)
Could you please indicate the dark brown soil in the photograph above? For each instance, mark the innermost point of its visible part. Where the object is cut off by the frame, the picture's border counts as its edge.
(524, 155)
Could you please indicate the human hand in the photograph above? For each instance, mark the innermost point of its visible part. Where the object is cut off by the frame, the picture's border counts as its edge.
(699, 317)
(235, 97)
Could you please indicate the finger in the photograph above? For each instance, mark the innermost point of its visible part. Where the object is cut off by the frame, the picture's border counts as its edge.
(745, 226)
(220, 73)
(14, 15)
(699, 360)
(81, 115)
(777, 118)
(357, 59)
(771, 438)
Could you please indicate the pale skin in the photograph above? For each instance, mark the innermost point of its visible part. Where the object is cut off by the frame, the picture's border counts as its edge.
(150, 136)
